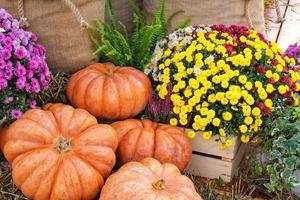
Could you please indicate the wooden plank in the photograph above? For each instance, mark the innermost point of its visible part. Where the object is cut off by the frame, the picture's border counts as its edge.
(211, 146)
(210, 167)
(272, 24)
(290, 30)
(238, 158)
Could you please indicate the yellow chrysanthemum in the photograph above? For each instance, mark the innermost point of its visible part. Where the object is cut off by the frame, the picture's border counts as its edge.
(242, 79)
(228, 143)
(245, 138)
(268, 103)
(248, 120)
(256, 111)
(191, 134)
(248, 85)
(222, 132)
(243, 128)
(173, 121)
(282, 89)
(227, 116)
(216, 122)
(207, 135)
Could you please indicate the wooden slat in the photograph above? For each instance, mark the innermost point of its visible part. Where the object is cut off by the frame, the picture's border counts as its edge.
(211, 146)
(273, 27)
(290, 30)
(212, 168)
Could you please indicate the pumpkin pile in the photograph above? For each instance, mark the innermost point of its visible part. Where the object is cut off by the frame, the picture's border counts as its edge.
(62, 152)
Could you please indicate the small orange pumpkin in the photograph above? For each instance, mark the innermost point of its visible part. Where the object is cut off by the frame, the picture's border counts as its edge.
(109, 92)
(139, 139)
(3, 135)
(148, 180)
(60, 153)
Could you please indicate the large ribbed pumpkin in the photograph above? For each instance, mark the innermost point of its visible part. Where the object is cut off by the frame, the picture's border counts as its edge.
(3, 133)
(148, 180)
(60, 153)
(139, 139)
(109, 92)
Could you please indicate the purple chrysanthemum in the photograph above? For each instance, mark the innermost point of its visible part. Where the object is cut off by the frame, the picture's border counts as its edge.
(23, 68)
(16, 114)
(8, 100)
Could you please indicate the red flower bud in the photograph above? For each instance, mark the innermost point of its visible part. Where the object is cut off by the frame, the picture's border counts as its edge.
(261, 69)
(285, 69)
(275, 62)
(290, 102)
(261, 105)
(228, 47)
(267, 111)
(287, 94)
(271, 80)
(283, 79)
(294, 87)
(290, 82)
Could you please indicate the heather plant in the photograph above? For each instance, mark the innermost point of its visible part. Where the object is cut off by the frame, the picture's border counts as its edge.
(293, 51)
(23, 69)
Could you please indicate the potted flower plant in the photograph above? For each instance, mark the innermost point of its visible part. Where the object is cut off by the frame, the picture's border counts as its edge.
(23, 69)
(220, 82)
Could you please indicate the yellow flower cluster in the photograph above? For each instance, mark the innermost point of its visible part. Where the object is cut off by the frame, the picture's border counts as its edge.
(219, 90)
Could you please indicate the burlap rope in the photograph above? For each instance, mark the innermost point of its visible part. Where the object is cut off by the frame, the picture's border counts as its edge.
(247, 13)
(24, 22)
(248, 17)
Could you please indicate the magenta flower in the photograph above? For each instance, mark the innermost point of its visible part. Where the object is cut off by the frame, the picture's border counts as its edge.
(3, 83)
(8, 100)
(20, 70)
(16, 114)
(32, 104)
(23, 68)
(5, 54)
(20, 84)
(20, 52)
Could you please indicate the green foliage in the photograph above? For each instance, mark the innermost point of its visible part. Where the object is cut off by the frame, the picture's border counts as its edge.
(282, 145)
(115, 46)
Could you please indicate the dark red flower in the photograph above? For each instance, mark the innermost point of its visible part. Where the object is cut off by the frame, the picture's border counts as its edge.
(294, 87)
(267, 111)
(261, 105)
(290, 82)
(229, 47)
(283, 79)
(270, 96)
(290, 101)
(275, 62)
(261, 69)
(285, 69)
(287, 94)
(271, 80)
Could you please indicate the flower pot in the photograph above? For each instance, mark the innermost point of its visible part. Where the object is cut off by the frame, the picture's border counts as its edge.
(211, 162)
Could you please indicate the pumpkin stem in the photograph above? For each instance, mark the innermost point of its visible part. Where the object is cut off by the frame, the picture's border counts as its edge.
(159, 185)
(63, 145)
(110, 72)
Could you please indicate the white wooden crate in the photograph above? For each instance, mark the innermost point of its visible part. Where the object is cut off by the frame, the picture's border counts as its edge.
(211, 162)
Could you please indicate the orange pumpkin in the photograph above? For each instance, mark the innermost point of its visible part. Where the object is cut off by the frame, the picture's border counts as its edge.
(148, 180)
(109, 92)
(139, 139)
(60, 153)
(3, 135)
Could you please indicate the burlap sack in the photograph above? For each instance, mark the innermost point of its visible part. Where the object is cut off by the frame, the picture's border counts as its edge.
(123, 12)
(228, 12)
(68, 45)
